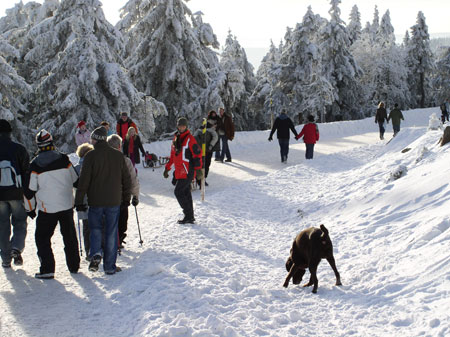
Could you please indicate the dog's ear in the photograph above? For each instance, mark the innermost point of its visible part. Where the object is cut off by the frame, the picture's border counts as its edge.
(324, 230)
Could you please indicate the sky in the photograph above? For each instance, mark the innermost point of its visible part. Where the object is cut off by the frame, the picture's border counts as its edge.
(256, 22)
(223, 275)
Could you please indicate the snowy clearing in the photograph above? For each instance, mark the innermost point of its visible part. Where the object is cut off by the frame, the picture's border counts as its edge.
(223, 275)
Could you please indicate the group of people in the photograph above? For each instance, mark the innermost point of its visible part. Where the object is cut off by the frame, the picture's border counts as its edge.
(395, 116)
(105, 180)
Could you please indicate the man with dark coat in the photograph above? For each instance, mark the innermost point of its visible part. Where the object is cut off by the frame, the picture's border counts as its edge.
(14, 164)
(186, 157)
(395, 115)
(52, 179)
(106, 181)
(283, 124)
(225, 130)
(380, 117)
(123, 124)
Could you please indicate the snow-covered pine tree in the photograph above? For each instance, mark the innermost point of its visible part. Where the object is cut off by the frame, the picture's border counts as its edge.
(375, 23)
(442, 76)
(391, 74)
(421, 58)
(14, 92)
(354, 26)
(168, 61)
(239, 85)
(339, 68)
(75, 67)
(267, 76)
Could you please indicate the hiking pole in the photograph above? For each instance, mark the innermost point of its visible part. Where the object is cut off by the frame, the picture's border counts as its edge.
(139, 228)
(79, 234)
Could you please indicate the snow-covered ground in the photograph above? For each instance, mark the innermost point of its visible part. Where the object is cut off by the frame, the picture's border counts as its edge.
(223, 275)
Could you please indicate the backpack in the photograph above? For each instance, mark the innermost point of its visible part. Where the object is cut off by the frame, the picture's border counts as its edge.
(10, 177)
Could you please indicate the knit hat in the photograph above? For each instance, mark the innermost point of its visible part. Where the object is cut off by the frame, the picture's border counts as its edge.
(44, 138)
(80, 124)
(182, 121)
(311, 118)
(124, 113)
(99, 134)
(5, 126)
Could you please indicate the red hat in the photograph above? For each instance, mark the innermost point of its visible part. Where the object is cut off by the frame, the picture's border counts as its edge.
(80, 124)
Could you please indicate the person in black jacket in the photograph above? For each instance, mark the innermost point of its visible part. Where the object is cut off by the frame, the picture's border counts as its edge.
(380, 117)
(131, 146)
(283, 124)
(14, 165)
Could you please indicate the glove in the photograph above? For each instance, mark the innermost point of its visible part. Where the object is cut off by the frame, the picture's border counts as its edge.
(166, 173)
(135, 201)
(270, 139)
(81, 208)
(126, 203)
(199, 174)
(32, 214)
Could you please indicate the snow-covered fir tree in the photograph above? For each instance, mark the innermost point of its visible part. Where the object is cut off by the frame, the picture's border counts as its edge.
(171, 60)
(340, 69)
(266, 77)
(75, 67)
(375, 23)
(14, 91)
(354, 26)
(239, 85)
(421, 59)
(442, 76)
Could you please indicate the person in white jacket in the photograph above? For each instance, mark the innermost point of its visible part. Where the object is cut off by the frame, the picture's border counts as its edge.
(52, 178)
(115, 141)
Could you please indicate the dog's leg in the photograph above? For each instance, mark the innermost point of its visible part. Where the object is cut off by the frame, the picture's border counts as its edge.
(333, 266)
(290, 274)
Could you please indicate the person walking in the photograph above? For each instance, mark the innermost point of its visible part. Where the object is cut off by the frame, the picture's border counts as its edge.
(82, 150)
(116, 143)
(52, 179)
(282, 125)
(106, 181)
(14, 167)
(310, 134)
(132, 145)
(123, 124)
(380, 117)
(395, 115)
(444, 112)
(83, 135)
(225, 130)
(186, 157)
(210, 139)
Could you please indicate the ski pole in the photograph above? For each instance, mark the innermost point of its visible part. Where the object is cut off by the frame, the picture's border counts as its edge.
(79, 235)
(139, 228)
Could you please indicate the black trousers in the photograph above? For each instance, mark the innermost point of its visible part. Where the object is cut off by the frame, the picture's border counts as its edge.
(45, 227)
(184, 196)
(123, 222)
(208, 158)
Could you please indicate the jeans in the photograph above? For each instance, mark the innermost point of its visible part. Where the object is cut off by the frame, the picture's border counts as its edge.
(111, 215)
(225, 149)
(309, 151)
(12, 213)
(284, 148)
(396, 128)
(382, 129)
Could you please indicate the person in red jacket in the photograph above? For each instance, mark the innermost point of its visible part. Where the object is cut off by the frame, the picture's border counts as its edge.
(310, 133)
(123, 124)
(186, 156)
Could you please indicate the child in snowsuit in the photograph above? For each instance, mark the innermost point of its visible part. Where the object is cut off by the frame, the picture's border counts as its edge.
(310, 133)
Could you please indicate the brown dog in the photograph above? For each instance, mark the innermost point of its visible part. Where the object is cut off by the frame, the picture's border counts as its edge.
(309, 247)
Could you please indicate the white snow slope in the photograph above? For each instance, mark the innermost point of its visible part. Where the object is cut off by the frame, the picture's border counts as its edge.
(223, 275)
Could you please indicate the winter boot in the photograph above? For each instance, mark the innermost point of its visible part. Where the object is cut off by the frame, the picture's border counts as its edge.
(18, 260)
(186, 220)
(95, 262)
(44, 276)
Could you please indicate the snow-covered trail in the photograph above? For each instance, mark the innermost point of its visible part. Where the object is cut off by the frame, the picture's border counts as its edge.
(222, 276)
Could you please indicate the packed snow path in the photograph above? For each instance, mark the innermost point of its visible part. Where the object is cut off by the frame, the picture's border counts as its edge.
(223, 275)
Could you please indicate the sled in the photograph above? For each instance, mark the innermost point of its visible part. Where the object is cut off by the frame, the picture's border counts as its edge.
(151, 160)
